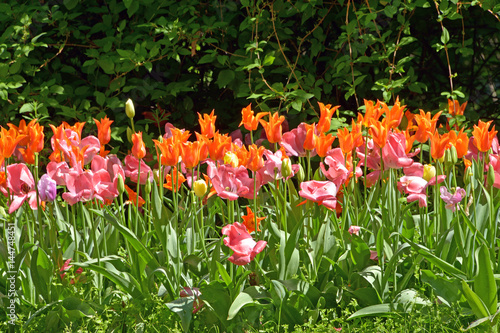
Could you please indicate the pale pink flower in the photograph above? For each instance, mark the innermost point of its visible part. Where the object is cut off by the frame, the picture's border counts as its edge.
(354, 230)
(22, 186)
(293, 142)
(393, 153)
(230, 182)
(132, 170)
(272, 167)
(239, 240)
(452, 200)
(415, 188)
(322, 192)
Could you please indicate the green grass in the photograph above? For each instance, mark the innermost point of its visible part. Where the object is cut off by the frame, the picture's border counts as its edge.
(154, 316)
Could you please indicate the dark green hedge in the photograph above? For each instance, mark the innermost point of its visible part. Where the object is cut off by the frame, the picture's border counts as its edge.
(80, 60)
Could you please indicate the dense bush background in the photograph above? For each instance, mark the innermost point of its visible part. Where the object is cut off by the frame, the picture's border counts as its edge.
(80, 60)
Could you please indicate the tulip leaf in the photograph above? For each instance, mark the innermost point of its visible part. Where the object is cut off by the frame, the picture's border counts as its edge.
(122, 279)
(445, 266)
(183, 307)
(484, 282)
(374, 310)
(132, 239)
(474, 301)
(239, 302)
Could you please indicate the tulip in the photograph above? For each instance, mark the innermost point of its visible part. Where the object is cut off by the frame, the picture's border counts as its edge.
(452, 200)
(239, 240)
(47, 188)
(200, 188)
(138, 148)
(250, 221)
(129, 108)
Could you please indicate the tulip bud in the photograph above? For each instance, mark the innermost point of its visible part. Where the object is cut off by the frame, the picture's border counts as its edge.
(147, 186)
(129, 134)
(301, 174)
(429, 172)
(318, 175)
(200, 188)
(120, 186)
(129, 108)
(286, 168)
(491, 176)
(454, 154)
(232, 159)
(447, 157)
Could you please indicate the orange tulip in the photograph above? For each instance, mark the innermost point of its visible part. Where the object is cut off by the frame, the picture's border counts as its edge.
(460, 141)
(248, 119)
(482, 137)
(255, 160)
(379, 132)
(219, 145)
(33, 141)
(323, 144)
(251, 221)
(372, 113)
(178, 177)
(170, 152)
(311, 137)
(410, 139)
(326, 113)
(207, 124)
(179, 136)
(9, 139)
(350, 140)
(394, 115)
(132, 197)
(190, 153)
(426, 125)
(22, 129)
(104, 130)
(439, 144)
(273, 127)
(138, 148)
(455, 109)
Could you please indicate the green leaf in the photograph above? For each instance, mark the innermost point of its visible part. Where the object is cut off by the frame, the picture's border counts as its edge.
(225, 77)
(70, 4)
(445, 36)
(484, 282)
(373, 310)
(239, 302)
(183, 307)
(474, 301)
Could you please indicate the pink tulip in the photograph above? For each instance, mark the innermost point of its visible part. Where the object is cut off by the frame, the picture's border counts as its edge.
(132, 169)
(322, 192)
(47, 188)
(230, 182)
(337, 171)
(393, 153)
(354, 230)
(272, 167)
(22, 186)
(417, 170)
(415, 187)
(239, 240)
(108, 168)
(495, 164)
(57, 171)
(452, 200)
(80, 185)
(293, 141)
